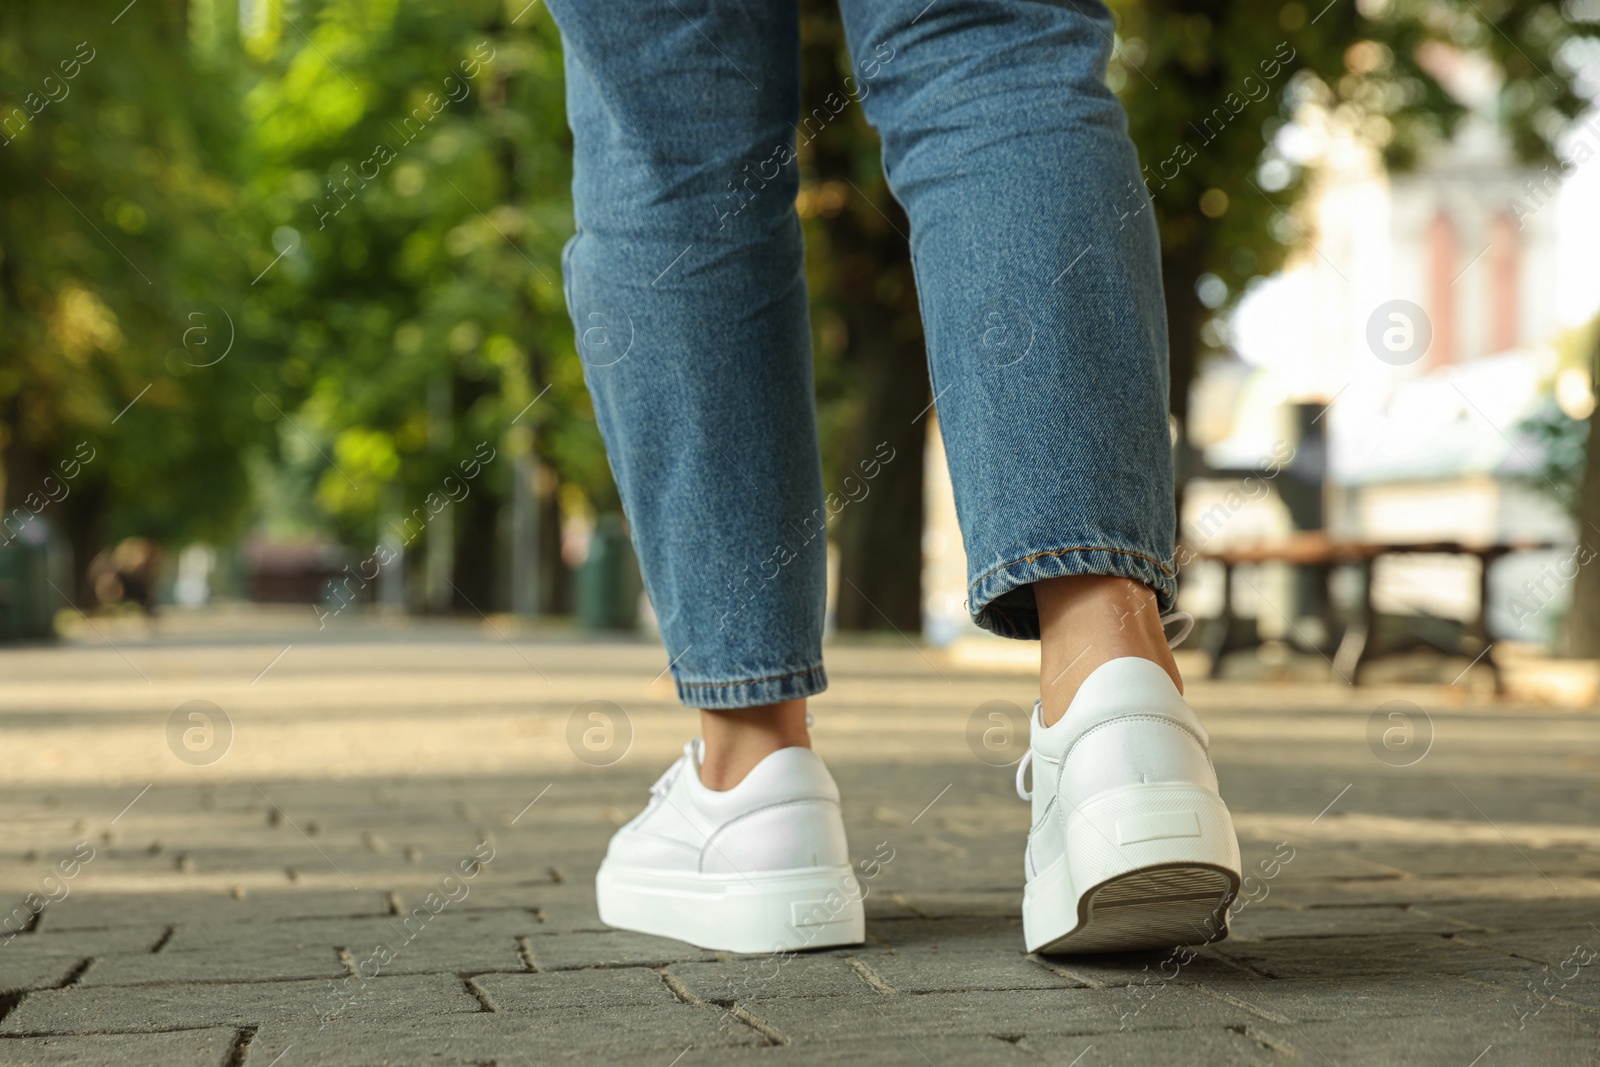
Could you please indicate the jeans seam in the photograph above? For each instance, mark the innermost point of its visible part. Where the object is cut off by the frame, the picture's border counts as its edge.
(753, 681)
(1066, 551)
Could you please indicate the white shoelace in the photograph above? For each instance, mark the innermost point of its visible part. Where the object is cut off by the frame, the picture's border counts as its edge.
(663, 785)
(1186, 627)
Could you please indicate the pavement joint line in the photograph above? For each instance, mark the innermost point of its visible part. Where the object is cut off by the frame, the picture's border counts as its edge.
(1239, 965)
(480, 994)
(1264, 1039)
(1458, 939)
(1227, 998)
(77, 972)
(900, 899)
(871, 977)
(1062, 972)
(760, 1026)
(243, 1037)
(676, 985)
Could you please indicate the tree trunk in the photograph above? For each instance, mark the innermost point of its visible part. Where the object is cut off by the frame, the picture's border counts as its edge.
(555, 577)
(1583, 619)
(873, 292)
(880, 536)
(1181, 267)
(476, 538)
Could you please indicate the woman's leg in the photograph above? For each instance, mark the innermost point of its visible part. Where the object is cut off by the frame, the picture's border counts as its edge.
(686, 286)
(685, 283)
(1041, 294)
(1037, 271)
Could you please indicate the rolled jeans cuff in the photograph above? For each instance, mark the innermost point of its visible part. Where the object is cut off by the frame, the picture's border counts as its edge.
(754, 691)
(1002, 602)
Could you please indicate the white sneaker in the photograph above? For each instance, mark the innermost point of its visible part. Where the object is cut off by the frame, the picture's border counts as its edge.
(1131, 847)
(761, 867)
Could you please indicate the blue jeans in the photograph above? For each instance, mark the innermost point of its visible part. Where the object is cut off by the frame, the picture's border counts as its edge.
(1037, 273)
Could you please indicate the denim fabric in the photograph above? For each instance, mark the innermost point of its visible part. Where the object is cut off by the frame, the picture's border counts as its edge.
(1037, 273)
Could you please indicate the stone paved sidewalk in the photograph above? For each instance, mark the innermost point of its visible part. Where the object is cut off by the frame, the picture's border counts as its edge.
(380, 850)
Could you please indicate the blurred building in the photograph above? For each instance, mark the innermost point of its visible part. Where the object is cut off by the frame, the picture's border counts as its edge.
(1487, 263)
(1438, 303)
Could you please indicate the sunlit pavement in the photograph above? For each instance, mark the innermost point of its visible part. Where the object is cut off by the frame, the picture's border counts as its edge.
(376, 845)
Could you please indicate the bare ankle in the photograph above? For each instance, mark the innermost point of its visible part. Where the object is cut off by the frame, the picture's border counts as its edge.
(738, 739)
(1086, 621)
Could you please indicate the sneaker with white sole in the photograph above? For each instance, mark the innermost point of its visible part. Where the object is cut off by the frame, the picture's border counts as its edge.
(1131, 847)
(761, 867)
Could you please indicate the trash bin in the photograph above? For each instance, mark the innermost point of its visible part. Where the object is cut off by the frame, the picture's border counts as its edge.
(35, 556)
(608, 584)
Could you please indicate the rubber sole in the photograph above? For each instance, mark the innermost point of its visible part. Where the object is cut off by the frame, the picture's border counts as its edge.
(1146, 867)
(771, 911)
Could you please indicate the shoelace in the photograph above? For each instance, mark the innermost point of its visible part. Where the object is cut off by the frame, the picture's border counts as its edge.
(1186, 627)
(663, 785)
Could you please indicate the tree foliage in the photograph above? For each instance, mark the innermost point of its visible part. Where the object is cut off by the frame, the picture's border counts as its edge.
(291, 273)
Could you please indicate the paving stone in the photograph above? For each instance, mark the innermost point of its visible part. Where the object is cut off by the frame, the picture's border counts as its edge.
(247, 963)
(1342, 957)
(47, 941)
(36, 971)
(1532, 914)
(884, 1052)
(83, 911)
(1238, 1044)
(870, 1014)
(577, 1032)
(184, 1048)
(1433, 1042)
(949, 904)
(612, 948)
(753, 979)
(936, 970)
(125, 1009)
(1265, 921)
(1353, 1000)
(445, 942)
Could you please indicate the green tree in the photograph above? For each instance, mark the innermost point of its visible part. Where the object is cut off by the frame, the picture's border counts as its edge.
(117, 268)
(413, 160)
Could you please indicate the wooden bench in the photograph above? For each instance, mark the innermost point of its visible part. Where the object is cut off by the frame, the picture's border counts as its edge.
(1357, 645)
